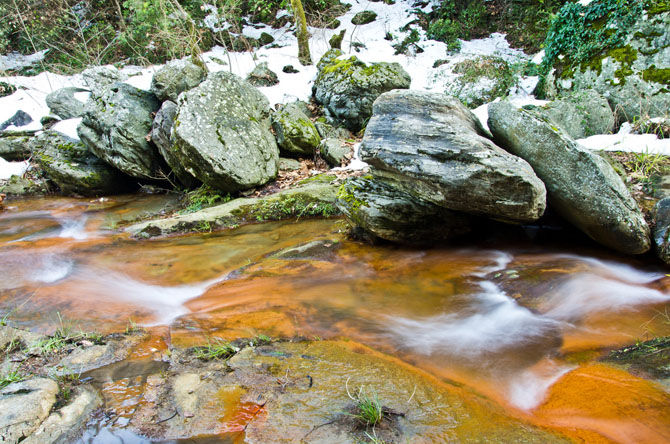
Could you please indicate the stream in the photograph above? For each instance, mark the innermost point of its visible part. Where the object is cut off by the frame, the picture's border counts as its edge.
(523, 325)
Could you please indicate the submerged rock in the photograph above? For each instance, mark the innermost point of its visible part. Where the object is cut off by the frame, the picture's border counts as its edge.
(161, 136)
(75, 170)
(222, 134)
(431, 146)
(176, 77)
(347, 88)
(394, 215)
(295, 132)
(115, 126)
(581, 185)
(64, 104)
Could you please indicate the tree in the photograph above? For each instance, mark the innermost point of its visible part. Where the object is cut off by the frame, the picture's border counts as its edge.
(301, 32)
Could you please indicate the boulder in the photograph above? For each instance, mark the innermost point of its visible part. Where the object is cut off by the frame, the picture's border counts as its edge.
(222, 134)
(23, 407)
(262, 75)
(479, 80)
(99, 78)
(14, 148)
(389, 213)
(634, 75)
(115, 126)
(19, 119)
(266, 38)
(662, 229)
(334, 151)
(161, 136)
(581, 185)
(64, 104)
(364, 17)
(74, 168)
(286, 164)
(347, 88)
(295, 133)
(582, 114)
(433, 147)
(176, 77)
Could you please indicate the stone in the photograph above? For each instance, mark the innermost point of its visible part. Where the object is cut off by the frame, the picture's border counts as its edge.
(24, 337)
(19, 119)
(295, 132)
(364, 17)
(65, 425)
(582, 114)
(99, 78)
(286, 164)
(23, 407)
(582, 187)
(15, 148)
(289, 69)
(222, 134)
(262, 75)
(175, 77)
(76, 170)
(661, 231)
(335, 41)
(161, 136)
(65, 104)
(391, 214)
(6, 89)
(433, 147)
(347, 88)
(266, 38)
(115, 126)
(480, 80)
(334, 151)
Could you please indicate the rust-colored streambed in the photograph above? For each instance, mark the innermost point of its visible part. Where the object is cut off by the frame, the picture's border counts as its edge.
(512, 335)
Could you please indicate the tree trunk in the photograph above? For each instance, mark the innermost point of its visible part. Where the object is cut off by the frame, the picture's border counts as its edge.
(301, 32)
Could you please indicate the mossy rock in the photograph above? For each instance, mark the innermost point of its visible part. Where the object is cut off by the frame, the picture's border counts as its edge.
(649, 358)
(295, 132)
(481, 80)
(6, 89)
(364, 17)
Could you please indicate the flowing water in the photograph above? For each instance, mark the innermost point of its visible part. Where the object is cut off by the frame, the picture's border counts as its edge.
(522, 325)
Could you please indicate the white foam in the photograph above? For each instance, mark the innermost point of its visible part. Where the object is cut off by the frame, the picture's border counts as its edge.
(529, 388)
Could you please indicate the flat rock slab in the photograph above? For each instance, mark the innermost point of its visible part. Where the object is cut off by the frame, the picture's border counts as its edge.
(23, 407)
(432, 146)
(581, 185)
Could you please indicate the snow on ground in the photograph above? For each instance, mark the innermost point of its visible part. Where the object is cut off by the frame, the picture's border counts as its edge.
(624, 140)
(9, 169)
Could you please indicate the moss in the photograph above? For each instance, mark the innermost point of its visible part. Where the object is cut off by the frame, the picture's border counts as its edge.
(651, 357)
(655, 7)
(658, 75)
(346, 195)
(319, 178)
(286, 207)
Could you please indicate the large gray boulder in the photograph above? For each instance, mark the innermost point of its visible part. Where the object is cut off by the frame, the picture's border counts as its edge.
(662, 229)
(99, 78)
(634, 76)
(295, 133)
(222, 134)
(176, 77)
(161, 136)
(14, 148)
(394, 215)
(23, 407)
(479, 80)
(64, 104)
(348, 87)
(581, 185)
(74, 168)
(115, 126)
(432, 146)
(582, 114)
(334, 151)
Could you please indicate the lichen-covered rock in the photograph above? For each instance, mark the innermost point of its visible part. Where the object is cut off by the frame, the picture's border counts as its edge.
(581, 185)
(432, 146)
(634, 77)
(176, 77)
(19, 119)
(662, 229)
(582, 114)
(23, 407)
(389, 213)
(295, 133)
(334, 151)
(262, 75)
(222, 134)
(161, 136)
(99, 78)
(74, 168)
(14, 148)
(348, 88)
(115, 126)
(364, 17)
(479, 80)
(64, 104)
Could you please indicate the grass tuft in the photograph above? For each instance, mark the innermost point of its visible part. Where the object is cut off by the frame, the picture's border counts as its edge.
(9, 378)
(368, 409)
(220, 349)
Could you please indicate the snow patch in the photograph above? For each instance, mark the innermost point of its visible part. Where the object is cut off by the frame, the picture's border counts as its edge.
(68, 127)
(9, 169)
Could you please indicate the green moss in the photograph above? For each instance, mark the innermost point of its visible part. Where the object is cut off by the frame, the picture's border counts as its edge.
(658, 75)
(286, 207)
(655, 7)
(319, 178)
(346, 195)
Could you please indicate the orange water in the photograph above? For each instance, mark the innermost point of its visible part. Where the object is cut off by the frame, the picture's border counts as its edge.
(522, 325)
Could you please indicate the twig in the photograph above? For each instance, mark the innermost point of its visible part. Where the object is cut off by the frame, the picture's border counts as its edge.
(410, 398)
(320, 425)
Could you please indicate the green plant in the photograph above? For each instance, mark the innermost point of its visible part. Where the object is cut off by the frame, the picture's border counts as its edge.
(201, 198)
(645, 164)
(291, 206)
(409, 43)
(219, 349)
(367, 409)
(447, 31)
(262, 340)
(11, 377)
